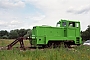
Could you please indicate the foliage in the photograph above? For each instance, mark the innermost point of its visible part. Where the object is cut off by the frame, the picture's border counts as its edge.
(13, 34)
(86, 34)
(3, 33)
(78, 53)
(5, 37)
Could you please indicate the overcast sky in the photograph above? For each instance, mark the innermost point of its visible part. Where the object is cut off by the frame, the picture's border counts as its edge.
(17, 14)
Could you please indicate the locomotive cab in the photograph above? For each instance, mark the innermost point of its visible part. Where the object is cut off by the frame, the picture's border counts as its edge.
(71, 30)
(67, 23)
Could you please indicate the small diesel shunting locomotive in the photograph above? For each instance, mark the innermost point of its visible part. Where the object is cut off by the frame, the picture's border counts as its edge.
(66, 31)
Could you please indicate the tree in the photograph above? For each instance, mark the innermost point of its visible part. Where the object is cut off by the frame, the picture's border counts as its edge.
(86, 34)
(22, 32)
(5, 37)
(3, 33)
(13, 34)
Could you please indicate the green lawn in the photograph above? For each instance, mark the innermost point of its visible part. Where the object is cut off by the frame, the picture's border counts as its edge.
(78, 53)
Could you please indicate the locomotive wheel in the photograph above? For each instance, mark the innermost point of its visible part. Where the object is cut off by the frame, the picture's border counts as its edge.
(53, 44)
(50, 45)
(58, 44)
(66, 45)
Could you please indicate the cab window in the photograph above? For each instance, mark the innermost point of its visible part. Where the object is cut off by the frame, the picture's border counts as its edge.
(64, 24)
(58, 25)
(77, 24)
(71, 24)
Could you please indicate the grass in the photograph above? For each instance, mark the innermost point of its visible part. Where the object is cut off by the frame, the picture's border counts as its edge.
(78, 53)
(5, 42)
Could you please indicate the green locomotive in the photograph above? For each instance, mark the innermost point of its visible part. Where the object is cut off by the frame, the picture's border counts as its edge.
(66, 31)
